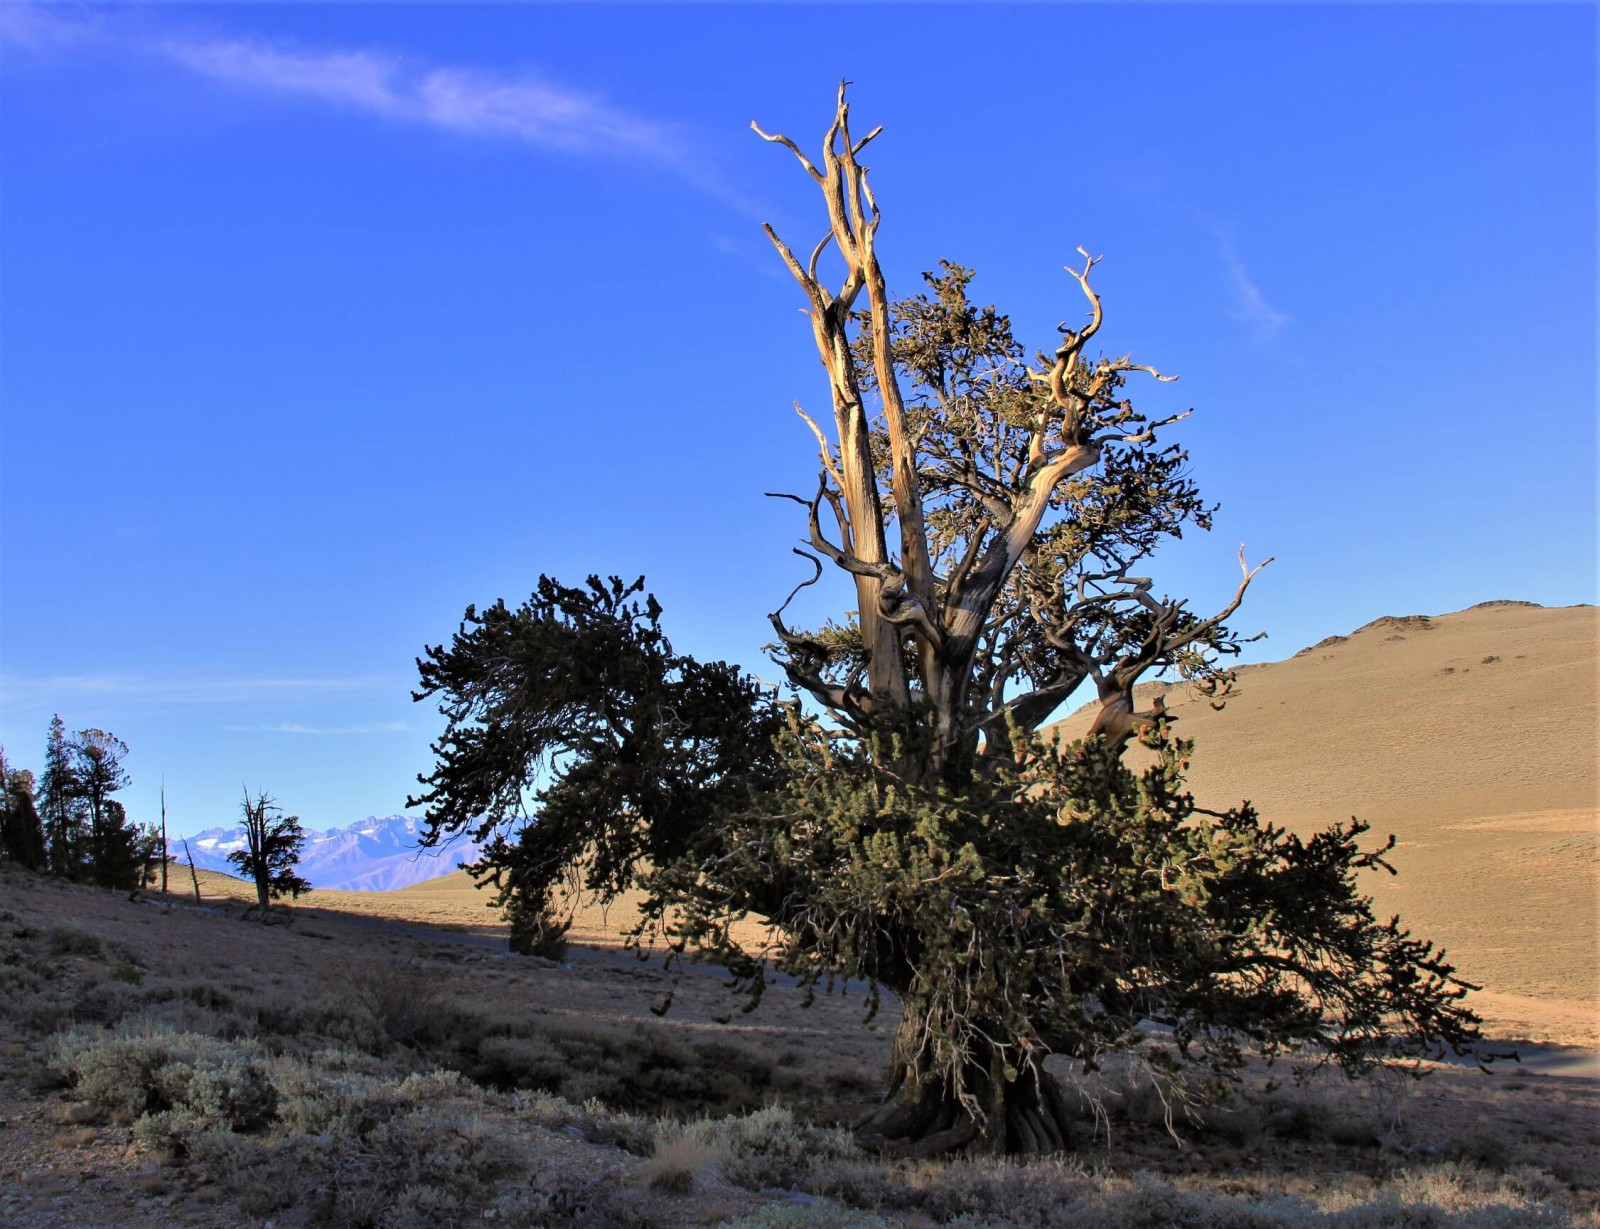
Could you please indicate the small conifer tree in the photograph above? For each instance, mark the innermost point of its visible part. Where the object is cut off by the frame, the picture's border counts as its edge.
(21, 833)
(61, 804)
(273, 842)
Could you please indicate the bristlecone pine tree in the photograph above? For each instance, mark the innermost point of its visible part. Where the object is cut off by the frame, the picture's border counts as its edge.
(910, 827)
(272, 845)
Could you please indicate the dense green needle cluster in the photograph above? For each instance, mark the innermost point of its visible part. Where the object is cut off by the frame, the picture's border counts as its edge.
(1070, 906)
(574, 709)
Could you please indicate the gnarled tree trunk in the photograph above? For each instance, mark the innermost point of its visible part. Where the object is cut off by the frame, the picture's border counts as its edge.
(925, 611)
(986, 1109)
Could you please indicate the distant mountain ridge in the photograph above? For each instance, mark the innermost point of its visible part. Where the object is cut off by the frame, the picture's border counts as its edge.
(376, 854)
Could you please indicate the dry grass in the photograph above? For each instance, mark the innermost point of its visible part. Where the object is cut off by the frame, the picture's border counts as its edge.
(265, 1067)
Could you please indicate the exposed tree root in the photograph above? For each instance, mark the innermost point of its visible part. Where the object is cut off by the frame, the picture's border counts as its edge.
(268, 915)
(1025, 1117)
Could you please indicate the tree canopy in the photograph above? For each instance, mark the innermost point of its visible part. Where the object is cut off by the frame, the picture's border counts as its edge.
(85, 829)
(574, 708)
(272, 845)
(903, 818)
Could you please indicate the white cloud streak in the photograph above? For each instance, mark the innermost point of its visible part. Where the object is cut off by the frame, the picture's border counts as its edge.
(29, 694)
(41, 30)
(1250, 304)
(465, 101)
(471, 102)
(293, 727)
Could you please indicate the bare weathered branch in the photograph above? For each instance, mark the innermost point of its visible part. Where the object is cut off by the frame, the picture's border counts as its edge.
(779, 139)
(822, 446)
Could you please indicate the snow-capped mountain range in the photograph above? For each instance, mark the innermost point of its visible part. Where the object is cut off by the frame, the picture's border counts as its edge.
(373, 855)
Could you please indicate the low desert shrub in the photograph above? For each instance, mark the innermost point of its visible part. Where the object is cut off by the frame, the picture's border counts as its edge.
(148, 1071)
(71, 941)
(318, 1020)
(977, 1194)
(417, 1166)
(536, 932)
(354, 1150)
(403, 997)
(645, 1068)
(807, 1216)
(525, 1063)
(107, 1003)
(768, 1148)
(1002, 1195)
(592, 1121)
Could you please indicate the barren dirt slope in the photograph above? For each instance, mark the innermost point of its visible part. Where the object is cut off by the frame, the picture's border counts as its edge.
(452, 901)
(1472, 737)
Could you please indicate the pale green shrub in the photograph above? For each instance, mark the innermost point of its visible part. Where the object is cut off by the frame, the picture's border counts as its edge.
(592, 1121)
(765, 1149)
(151, 1070)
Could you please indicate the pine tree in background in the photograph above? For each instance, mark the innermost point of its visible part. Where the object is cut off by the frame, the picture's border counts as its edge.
(115, 857)
(21, 834)
(273, 842)
(60, 804)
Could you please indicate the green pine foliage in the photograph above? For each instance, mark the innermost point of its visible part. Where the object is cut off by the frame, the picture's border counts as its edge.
(21, 832)
(60, 804)
(1068, 906)
(575, 708)
(273, 843)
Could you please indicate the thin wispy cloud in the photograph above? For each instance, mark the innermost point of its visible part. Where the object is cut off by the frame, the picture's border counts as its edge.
(1250, 304)
(29, 693)
(292, 727)
(466, 101)
(35, 28)
(523, 106)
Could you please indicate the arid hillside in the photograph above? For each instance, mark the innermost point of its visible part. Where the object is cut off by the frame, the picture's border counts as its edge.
(1470, 736)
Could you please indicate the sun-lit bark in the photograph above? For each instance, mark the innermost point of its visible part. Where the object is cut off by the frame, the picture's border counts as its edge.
(919, 665)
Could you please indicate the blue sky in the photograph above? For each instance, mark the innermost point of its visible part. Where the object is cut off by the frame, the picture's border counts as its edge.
(319, 323)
